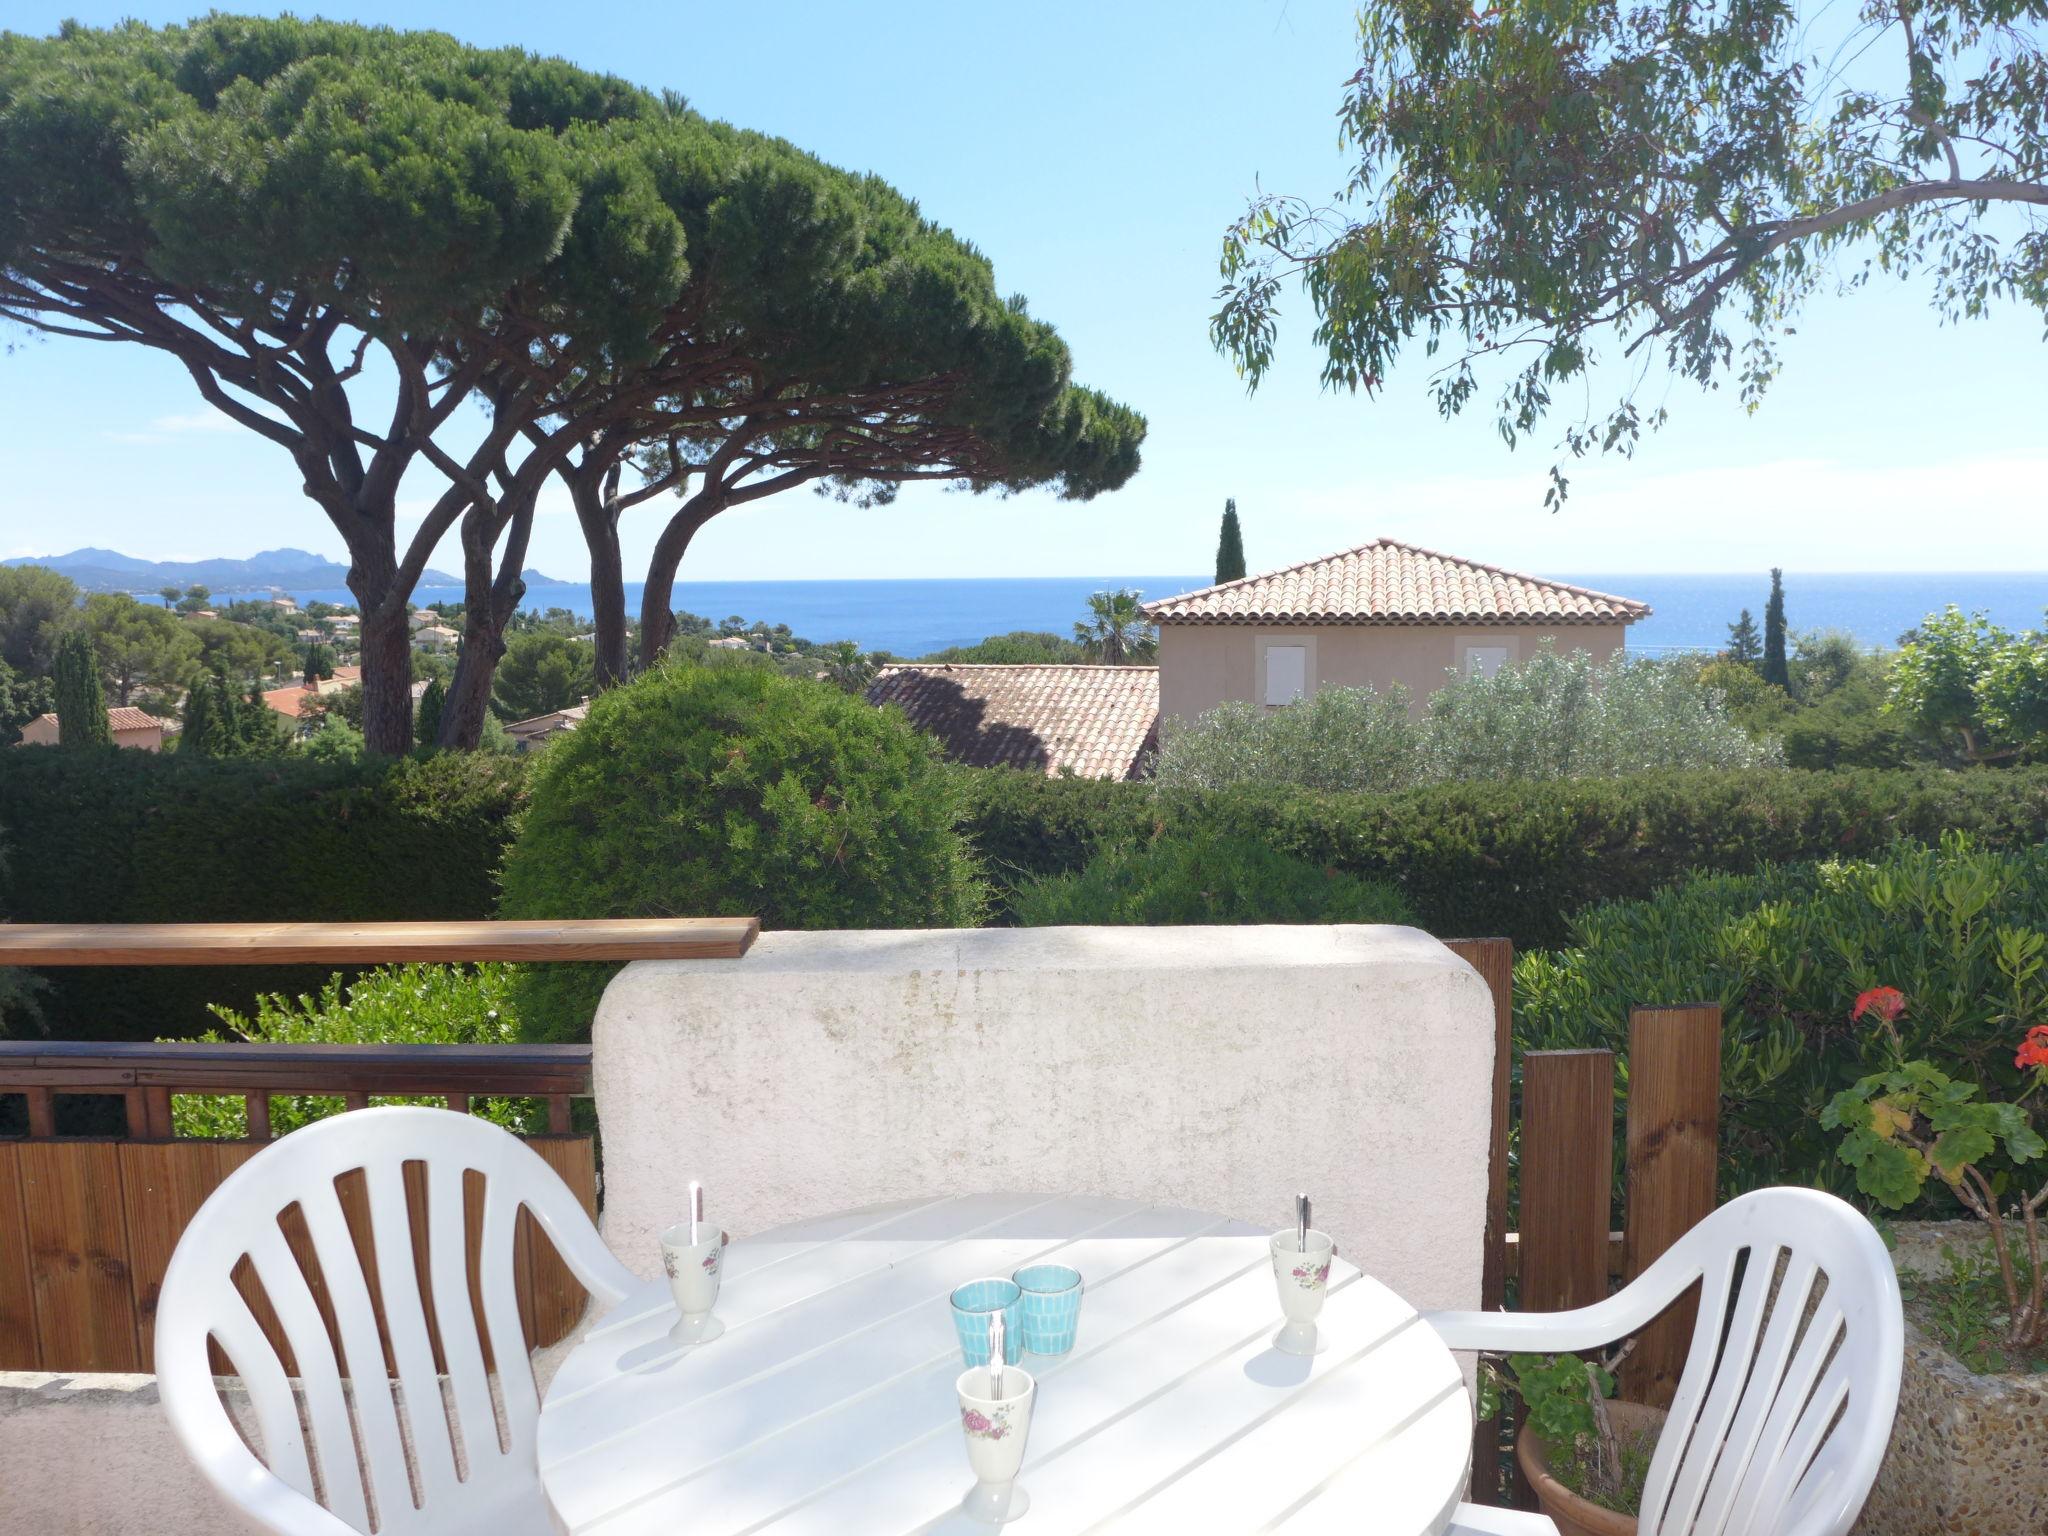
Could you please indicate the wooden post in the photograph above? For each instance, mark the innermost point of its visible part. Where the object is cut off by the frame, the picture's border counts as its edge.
(1494, 960)
(1674, 1109)
(1567, 1177)
(42, 1112)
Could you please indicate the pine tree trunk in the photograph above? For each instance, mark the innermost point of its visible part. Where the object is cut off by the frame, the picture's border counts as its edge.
(488, 604)
(387, 672)
(607, 576)
(657, 609)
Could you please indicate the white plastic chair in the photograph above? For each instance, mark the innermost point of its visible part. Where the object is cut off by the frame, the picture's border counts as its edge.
(1778, 1424)
(495, 1488)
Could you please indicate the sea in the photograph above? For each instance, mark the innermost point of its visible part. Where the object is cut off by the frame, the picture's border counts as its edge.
(1689, 612)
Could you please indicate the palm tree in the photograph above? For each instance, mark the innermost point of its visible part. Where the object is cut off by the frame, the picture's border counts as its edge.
(846, 668)
(1116, 630)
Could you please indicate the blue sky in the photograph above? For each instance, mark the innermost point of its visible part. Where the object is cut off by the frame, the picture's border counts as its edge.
(1096, 152)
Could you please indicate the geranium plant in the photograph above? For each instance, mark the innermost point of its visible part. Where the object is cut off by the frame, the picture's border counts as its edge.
(1912, 1122)
(1566, 1397)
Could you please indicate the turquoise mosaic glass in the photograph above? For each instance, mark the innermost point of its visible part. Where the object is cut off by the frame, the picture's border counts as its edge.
(972, 1305)
(1052, 1307)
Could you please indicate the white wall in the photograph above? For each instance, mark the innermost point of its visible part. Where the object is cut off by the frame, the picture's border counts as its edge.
(1220, 1068)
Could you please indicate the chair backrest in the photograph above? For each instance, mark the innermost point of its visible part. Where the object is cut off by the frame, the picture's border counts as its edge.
(1785, 1405)
(397, 1453)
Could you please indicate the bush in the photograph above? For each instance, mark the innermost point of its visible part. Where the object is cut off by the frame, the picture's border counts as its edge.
(394, 1005)
(1551, 717)
(1204, 878)
(1518, 859)
(124, 837)
(1785, 951)
(733, 791)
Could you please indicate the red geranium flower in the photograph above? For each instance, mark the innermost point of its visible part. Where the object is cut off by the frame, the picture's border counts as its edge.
(2033, 1049)
(1886, 1002)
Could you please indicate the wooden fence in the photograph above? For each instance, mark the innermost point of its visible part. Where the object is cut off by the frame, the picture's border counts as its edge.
(1567, 1251)
(88, 1224)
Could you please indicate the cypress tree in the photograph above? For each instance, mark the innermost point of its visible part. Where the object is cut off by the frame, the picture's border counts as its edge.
(81, 701)
(1743, 645)
(1774, 668)
(1230, 547)
(426, 728)
(229, 713)
(201, 735)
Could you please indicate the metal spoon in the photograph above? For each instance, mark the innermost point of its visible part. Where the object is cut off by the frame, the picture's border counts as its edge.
(696, 1209)
(995, 1357)
(1301, 1223)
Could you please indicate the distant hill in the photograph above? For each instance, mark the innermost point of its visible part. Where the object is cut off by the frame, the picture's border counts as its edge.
(107, 570)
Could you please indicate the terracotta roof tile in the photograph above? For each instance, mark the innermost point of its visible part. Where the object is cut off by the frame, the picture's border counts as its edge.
(120, 717)
(1095, 721)
(1385, 582)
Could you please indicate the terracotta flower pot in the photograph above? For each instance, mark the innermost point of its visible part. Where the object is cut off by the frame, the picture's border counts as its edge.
(1573, 1515)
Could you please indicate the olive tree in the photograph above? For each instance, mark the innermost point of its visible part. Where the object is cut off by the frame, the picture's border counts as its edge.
(1544, 187)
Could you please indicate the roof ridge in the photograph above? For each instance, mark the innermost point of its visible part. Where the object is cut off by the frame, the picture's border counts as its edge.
(1498, 570)
(1025, 666)
(1278, 570)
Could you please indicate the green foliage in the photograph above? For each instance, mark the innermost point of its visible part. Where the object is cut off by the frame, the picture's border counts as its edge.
(1230, 546)
(1744, 648)
(1551, 190)
(1549, 717)
(1204, 877)
(1337, 739)
(1784, 951)
(21, 700)
(242, 653)
(392, 1005)
(336, 740)
(1566, 1397)
(1965, 1306)
(138, 646)
(316, 665)
(1020, 647)
(1520, 858)
(81, 703)
(733, 791)
(541, 672)
(164, 837)
(205, 732)
(1879, 1114)
(1116, 631)
(1773, 666)
(1976, 690)
(426, 728)
(20, 991)
(37, 606)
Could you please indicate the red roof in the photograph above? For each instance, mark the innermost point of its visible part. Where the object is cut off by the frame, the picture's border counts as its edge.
(1386, 582)
(121, 717)
(1095, 721)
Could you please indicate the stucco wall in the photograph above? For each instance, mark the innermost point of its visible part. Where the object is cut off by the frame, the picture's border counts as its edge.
(1203, 665)
(1219, 1068)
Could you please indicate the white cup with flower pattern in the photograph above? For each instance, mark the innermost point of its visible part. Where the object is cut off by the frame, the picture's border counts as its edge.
(996, 1429)
(1301, 1271)
(693, 1270)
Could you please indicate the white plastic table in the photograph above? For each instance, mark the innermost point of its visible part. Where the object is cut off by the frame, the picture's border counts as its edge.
(828, 1405)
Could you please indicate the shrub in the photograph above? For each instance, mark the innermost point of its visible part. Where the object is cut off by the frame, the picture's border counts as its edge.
(1519, 859)
(1341, 739)
(393, 1005)
(1785, 952)
(1205, 878)
(118, 837)
(1552, 717)
(732, 791)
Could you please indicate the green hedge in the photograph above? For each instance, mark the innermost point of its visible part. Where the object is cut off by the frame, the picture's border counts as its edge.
(115, 837)
(1518, 859)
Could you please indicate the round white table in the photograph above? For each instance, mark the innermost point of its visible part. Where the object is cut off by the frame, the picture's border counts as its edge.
(828, 1405)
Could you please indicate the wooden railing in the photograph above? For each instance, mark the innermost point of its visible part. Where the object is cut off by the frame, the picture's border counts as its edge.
(88, 1223)
(1566, 1251)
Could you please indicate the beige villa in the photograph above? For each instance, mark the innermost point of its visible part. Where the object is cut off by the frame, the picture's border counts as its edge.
(1383, 614)
(131, 728)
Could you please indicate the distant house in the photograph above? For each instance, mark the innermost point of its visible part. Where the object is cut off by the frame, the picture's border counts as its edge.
(731, 643)
(1097, 722)
(131, 727)
(343, 620)
(291, 702)
(284, 604)
(1382, 614)
(311, 635)
(203, 613)
(422, 617)
(435, 637)
(528, 734)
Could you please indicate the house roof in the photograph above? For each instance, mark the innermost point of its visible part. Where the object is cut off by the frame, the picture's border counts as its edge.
(120, 717)
(1094, 721)
(548, 724)
(291, 701)
(1387, 582)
